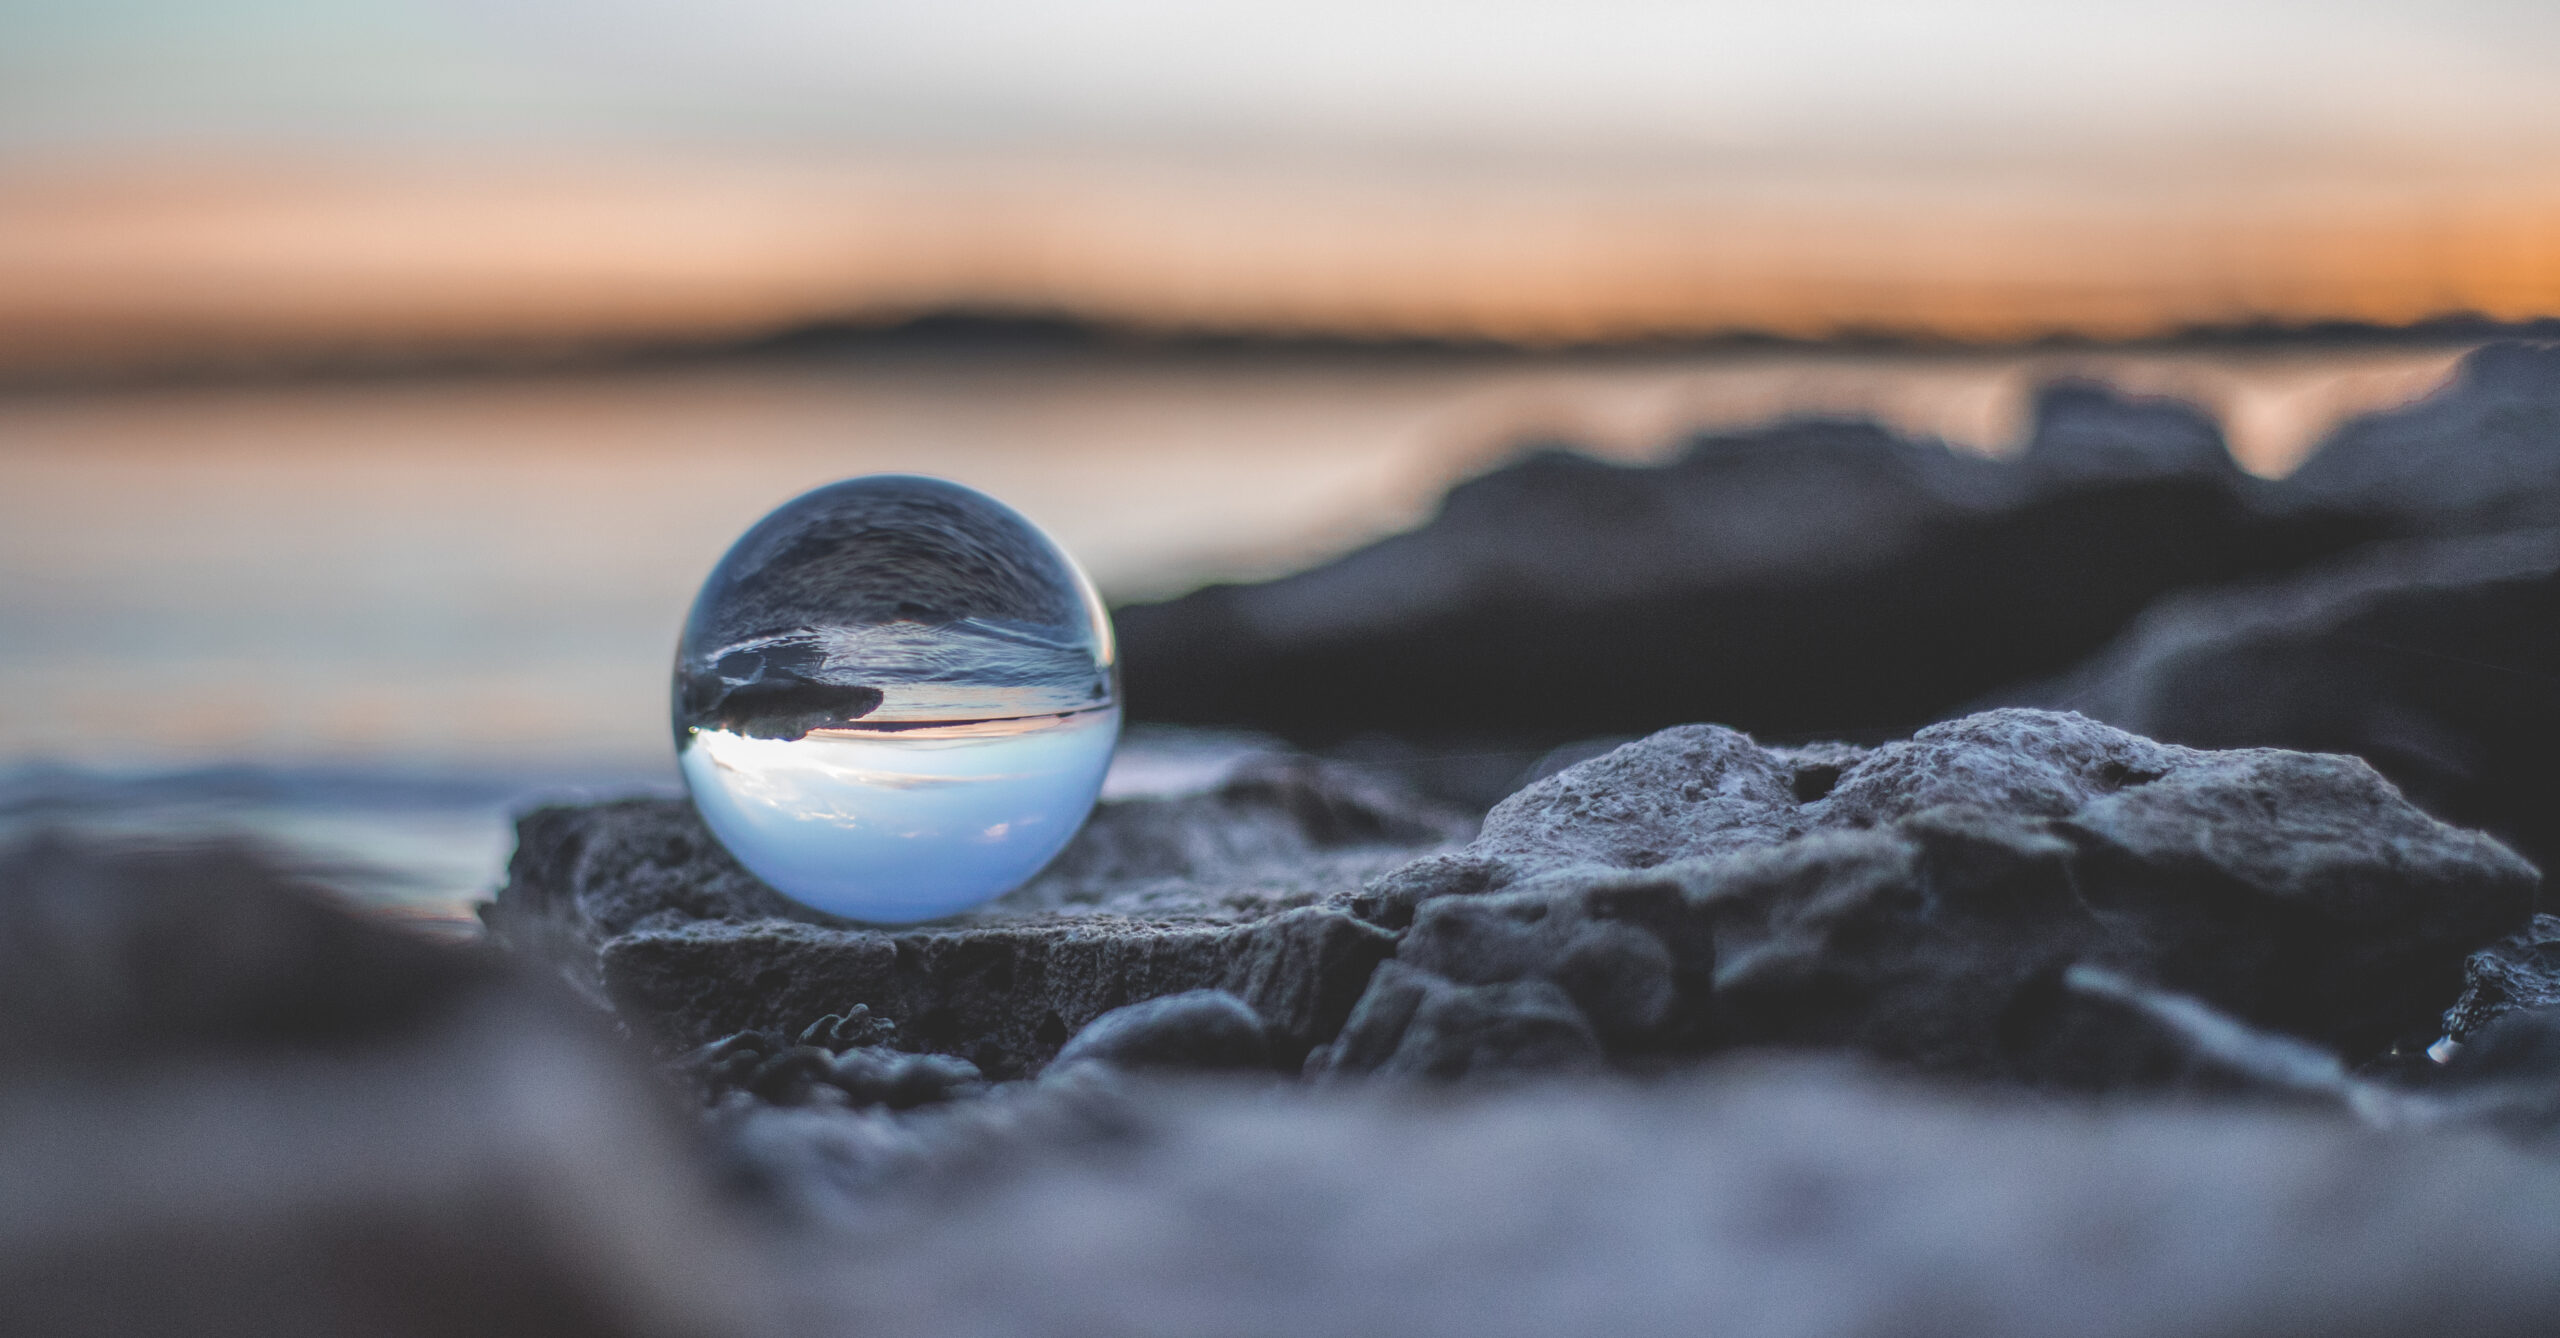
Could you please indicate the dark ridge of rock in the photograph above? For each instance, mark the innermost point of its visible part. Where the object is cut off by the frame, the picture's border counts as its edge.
(1810, 578)
(2480, 454)
(1930, 905)
(1197, 1029)
(2516, 973)
(2438, 661)
(2087, 432)
(1227, 889)
(1753, 1201)
(232, 1107)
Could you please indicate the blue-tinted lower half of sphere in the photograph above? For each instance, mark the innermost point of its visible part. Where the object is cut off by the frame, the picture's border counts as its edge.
(899, 825)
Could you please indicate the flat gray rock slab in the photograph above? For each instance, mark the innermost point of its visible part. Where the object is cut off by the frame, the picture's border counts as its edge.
(1236, 888)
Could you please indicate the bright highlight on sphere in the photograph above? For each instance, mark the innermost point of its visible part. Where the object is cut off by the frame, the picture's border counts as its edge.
(895, 699)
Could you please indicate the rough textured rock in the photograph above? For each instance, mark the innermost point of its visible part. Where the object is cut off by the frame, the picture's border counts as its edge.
(1752, 1202)
(2520, 971)
(230, 1107)
(1226, 890)
(1196, 1029)
(2435, 661)
(1760, 579)
(1004, 996)
(1925, 901)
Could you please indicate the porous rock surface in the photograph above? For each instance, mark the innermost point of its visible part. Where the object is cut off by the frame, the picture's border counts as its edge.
(1227, 889)
(1927, 901)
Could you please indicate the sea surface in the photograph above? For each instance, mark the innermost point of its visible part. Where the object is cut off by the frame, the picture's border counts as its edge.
(367, 619)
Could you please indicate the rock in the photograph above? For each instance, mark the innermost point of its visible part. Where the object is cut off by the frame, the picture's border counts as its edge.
(2506, 1077)
(1927, 901)
(1004, 996)
(2481, 454)
(2201, 1048)
(1227, 889)
(1413, 1024)
(2436, 661)
(1783, 1200)
(1805, 579)
(2518, 972)
(1924, 902)
(230, 1106)
(2085, 431)
(879, 1076)
(763, 1065)
(115, 954)
(1196, 1029)
(2520, 1044)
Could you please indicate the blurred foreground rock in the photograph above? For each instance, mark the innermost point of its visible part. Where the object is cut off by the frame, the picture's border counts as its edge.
(229, 1107)
(234, 1109)
(2480, 455)
(1755, 1201)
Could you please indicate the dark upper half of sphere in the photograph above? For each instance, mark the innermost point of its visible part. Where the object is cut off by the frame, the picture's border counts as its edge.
(886, 548)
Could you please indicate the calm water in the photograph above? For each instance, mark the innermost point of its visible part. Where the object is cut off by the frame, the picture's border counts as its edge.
(365, 618)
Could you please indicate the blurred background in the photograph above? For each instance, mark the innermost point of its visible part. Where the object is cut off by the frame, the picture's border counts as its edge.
(378, 378)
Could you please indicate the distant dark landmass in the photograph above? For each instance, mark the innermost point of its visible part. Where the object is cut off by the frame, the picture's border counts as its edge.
(976, 331)
(970, 330)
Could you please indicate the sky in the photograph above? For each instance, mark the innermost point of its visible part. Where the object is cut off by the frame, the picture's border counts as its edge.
(1916, 80)
(562, 169)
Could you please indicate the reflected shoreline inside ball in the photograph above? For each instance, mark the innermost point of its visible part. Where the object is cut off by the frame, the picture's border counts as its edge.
(895, 699)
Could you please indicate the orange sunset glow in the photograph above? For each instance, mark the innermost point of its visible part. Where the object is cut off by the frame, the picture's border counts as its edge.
(250, 182)
(217, 262)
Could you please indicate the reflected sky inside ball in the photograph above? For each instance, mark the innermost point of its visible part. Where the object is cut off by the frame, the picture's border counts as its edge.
(904, 826)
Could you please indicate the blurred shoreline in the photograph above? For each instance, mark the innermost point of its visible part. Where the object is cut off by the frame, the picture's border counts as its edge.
(971, 333)
(116, 263)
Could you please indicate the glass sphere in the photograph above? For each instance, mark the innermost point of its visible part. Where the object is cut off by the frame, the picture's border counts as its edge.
(895, 699)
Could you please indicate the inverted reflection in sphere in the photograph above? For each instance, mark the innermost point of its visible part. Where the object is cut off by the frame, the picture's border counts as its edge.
(895, 699)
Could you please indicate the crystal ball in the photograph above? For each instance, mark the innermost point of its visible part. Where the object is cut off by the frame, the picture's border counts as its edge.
(895, 699)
